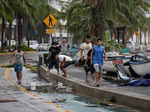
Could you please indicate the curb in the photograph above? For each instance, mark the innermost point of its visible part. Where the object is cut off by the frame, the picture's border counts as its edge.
(54, 108)
(26, 52)
(130, 99)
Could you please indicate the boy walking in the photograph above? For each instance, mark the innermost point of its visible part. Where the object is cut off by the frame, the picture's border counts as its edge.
(85, 47)
(18, 63)
(97, 58)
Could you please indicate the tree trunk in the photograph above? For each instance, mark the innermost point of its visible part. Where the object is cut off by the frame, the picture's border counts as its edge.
(20, 34)
(145, 37)
(10, 35)
(98, 29)
(28, 34)
(148, 37)
(140, 37)
(123, 34)
(3, 33)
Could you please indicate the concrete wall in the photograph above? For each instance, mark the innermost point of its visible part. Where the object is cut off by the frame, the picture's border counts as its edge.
(121, 97)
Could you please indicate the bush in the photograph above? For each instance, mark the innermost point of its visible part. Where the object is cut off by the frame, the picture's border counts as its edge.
(111, 45)
(23, 47)
(26, 48)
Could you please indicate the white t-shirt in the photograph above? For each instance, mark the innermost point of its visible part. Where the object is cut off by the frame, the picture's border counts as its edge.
(18, 57)
(61, 58)
(85, 47)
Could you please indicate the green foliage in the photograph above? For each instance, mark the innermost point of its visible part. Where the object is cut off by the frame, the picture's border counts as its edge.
(111, 45)
(7, 66)
(117, 13)
(78, 16)
(23, 47)
(32, 12)
(26, 48)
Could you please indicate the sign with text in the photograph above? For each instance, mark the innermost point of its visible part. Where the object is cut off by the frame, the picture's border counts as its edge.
(50, 31)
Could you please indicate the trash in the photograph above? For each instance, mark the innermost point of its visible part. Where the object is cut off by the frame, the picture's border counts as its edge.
(122, 76)
(60, 86)
(33, 86)
(121, 72)
(140, 82)
(69, 90)
(92, 105)
(58, 100)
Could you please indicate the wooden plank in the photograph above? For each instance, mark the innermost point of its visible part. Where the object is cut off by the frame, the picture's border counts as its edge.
(7, 100)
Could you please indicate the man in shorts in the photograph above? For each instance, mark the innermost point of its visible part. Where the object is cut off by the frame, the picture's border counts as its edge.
(85, 47)
(52, 58)
(97, 58)
(18, 63)
(89, 66)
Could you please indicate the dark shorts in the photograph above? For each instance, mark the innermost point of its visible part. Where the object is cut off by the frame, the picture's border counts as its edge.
(89, 67)
(53, 63)
(18, 67)
(82, 62)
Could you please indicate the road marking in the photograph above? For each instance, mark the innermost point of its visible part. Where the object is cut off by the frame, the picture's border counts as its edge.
(58, 106)
(68, 111)
(8, 77)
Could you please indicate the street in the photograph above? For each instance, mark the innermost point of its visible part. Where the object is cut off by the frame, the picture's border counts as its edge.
(27, 101)
(108, 37)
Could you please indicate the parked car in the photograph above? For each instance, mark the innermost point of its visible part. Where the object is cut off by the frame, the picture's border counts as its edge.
(43, 47)
(33, 44)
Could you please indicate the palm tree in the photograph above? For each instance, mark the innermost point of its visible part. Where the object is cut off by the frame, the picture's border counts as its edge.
(102, 15)
(3, 6)
(10, 17)
(79, 17)
(29, 10)
(32, 11)
(122, 12)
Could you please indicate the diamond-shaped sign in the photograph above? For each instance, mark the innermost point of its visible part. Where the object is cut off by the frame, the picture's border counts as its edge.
(50, 21)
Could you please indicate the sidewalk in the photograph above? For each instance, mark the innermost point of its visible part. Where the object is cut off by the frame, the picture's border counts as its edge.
(78, 73)
(132, 97)
(14, 100)
(9, 53)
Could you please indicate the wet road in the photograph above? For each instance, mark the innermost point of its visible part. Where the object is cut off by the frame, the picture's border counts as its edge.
(78, 73)
(23, 101)
(27, 102)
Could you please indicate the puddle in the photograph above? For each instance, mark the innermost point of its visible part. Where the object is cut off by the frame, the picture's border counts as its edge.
(62, 95)
(80, 104)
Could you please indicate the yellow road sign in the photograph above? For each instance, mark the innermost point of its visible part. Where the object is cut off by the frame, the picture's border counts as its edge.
(137, 34)
(50, 31)
(50, 21)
